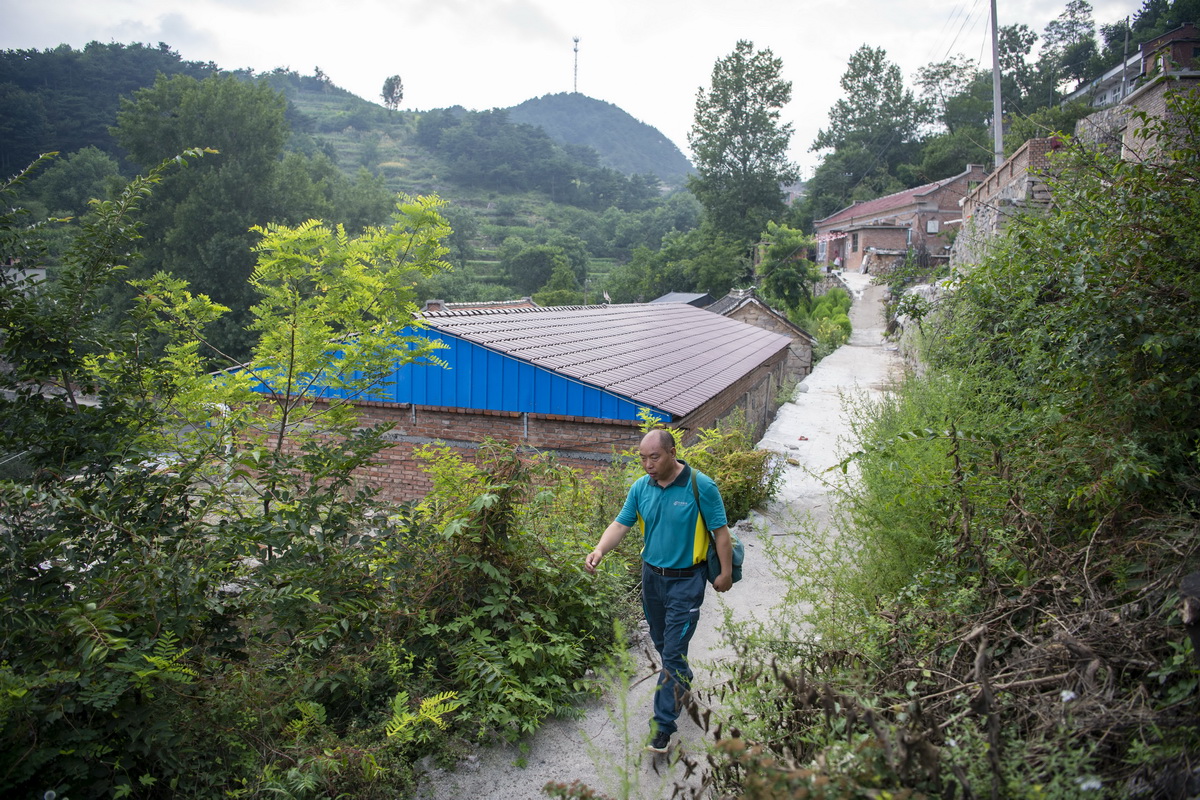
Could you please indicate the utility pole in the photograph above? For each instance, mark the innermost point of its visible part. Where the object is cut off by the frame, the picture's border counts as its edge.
(1125, 63)
(997, 111)
(576, 40)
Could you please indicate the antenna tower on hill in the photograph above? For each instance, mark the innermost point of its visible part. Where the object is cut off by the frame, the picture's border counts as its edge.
(576, 40)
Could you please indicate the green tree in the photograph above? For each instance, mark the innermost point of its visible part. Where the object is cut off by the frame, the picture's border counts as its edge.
(199, 228)
(24, 126)
(393, 92)
(710, 261)
(64, 100)
(1069, 49)
(70, 183)
(528, 267)
(317, 285)
(848, 175)
(785, 272)
(57, 349)
(872, 130)
(562, 289)
(941, 84)
(1050, 121)
(740, 144)
(875, 110)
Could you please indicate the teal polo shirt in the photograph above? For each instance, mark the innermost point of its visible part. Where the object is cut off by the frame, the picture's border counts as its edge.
(674, 535)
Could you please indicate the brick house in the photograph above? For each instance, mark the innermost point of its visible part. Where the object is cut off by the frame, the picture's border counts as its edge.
(880, 233)
(1169, 63)
(1013, 187)
(746, 306)
(571, 380)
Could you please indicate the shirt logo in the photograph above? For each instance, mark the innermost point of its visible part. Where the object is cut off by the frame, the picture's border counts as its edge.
(681, 502)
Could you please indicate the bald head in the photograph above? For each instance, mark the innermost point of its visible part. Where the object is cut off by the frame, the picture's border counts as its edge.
(657, 452)
(660, 437)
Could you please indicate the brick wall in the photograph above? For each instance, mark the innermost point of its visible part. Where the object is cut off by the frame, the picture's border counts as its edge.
(582, 442)
(1013, 187)
(800, 358)
(1152, 99)
(754, 394)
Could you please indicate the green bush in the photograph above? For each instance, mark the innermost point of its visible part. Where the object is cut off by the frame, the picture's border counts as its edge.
(199, 611)
(1000, 602)
(827, 318)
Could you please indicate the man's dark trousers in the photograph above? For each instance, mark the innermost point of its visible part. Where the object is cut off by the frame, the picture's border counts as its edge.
(672, 608)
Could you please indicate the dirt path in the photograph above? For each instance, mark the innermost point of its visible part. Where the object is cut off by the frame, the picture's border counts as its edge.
(812, 432)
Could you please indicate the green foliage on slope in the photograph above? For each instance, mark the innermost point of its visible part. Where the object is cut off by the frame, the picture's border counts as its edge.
(197, 596)
(1004, 620)
(622, 142)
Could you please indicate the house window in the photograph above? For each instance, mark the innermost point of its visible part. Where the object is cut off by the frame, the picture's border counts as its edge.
(854, 243)
(931, 226)
(821, 251)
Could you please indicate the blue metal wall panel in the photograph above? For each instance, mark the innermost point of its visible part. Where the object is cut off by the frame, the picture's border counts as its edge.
(483, 379)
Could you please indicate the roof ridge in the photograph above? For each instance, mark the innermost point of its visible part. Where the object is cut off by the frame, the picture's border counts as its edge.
(914, 191)
(466, 312)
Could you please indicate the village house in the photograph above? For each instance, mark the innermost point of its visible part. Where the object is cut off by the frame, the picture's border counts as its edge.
(745, 305)
(571, 381)
(877, 235)
(1169, 63)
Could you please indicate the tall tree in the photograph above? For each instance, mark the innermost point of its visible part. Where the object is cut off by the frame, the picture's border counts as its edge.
(1069, 46)
(740, 144)
(942, 83)
(199, 228)
(393, 92)
(786, 273)
(872, 131)
(876, 111)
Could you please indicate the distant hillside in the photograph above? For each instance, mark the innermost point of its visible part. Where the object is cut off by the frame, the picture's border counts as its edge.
(569, 148)
(624, 143)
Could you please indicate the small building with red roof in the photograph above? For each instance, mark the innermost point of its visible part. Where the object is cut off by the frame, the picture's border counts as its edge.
(881, 233)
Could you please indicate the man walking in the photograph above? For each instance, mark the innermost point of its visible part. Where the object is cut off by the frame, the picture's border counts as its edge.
(674, 556)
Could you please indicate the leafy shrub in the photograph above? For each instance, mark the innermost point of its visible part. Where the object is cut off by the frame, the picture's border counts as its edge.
(237, 617)
(826, 317)
(997, 615)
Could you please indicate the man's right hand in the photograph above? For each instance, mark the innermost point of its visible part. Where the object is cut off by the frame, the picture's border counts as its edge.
(592, 561)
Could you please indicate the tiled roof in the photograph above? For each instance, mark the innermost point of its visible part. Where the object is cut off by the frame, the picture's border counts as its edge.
(691, 298)
(726, 304)
(669, 356)
(897, 200)
(738, 298)
(442, 305)
(885, 203)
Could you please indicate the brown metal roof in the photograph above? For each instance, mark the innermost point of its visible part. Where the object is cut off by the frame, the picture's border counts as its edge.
(670, 356)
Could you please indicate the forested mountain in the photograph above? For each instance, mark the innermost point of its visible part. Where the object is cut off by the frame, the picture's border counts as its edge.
(625, 144)
(65, 99)
(294, 147)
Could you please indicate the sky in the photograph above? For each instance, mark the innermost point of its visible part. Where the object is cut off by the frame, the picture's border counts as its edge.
(649, 57)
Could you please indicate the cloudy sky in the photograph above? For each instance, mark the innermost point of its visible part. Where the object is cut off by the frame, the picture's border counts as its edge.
(647, 56)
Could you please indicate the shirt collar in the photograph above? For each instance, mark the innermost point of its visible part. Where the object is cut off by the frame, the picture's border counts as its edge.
(682, 479)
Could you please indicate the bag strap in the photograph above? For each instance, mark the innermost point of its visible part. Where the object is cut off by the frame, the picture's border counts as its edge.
(699, 510)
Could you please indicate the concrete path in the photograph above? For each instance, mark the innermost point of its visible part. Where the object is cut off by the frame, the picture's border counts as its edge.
(603, 748)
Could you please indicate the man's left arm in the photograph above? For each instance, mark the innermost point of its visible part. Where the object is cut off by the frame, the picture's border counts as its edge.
(724, 542)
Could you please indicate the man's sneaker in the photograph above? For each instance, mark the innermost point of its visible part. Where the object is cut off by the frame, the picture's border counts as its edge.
(660, 743)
